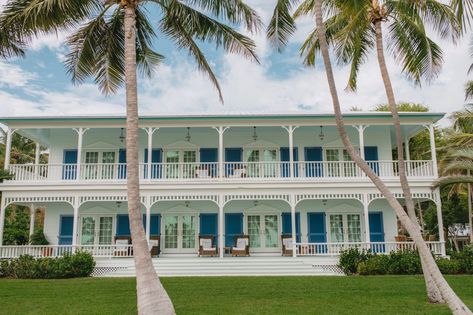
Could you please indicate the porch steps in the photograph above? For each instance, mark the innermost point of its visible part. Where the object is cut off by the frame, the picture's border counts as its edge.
(228, 266)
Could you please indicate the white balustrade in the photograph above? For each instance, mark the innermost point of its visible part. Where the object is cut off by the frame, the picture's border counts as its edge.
(38, 251)
(209, 171)
(334, 249)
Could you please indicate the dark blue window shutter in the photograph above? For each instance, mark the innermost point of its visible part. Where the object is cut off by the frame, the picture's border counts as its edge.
(155, 229)
(371, 156)
(316, 227)
(287, 225)
(285, 167)
(312, 156)
(121, 161)
(210, 155)
(233, 227)
(156, 157)
(376, 231)
(66, 225)
(123, 225)
(209, 225)
(69, 171)
(232, 155)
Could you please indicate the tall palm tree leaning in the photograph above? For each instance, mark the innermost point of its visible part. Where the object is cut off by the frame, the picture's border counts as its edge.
(109, 41)
(279, 31)
(354, 28)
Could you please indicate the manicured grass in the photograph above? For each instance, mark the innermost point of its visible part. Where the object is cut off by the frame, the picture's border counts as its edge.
(232, 295)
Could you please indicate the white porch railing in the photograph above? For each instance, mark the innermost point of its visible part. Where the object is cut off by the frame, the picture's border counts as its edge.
(210, 171)
(99, 251)
(334, 249)
(116, 251)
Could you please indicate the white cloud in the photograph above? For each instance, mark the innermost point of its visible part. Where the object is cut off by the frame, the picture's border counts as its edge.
(14, 76)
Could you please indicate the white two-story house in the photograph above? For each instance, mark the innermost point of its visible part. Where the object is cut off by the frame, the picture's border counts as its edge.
(222, 175)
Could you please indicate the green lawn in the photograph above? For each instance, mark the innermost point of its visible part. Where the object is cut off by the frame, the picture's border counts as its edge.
(232, 295)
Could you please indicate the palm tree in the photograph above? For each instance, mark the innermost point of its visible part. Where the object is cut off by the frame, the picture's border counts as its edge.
(354, 28)
(281, 27)
(112, 39)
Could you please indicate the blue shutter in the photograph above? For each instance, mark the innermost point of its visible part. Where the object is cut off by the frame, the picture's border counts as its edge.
(122, 160)
(155, 229)
(285, 167)
(317, 230)
(123, 225)
(66, 226)
(69, 171)
(376, 230)
(371, 156)
(233, 227)
(209, 225)
(156, 168)
(287, 225)
(313, 155)
(210, 155)
(232, 155)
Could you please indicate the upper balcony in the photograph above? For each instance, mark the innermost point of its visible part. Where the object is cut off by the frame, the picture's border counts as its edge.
(193, 149)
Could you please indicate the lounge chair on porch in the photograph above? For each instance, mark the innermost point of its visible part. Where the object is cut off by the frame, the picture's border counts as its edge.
(242, 246)
(238, 172)
(206, 246)
(202, 171)
(154, 246)
(286, 241)
(122, 246)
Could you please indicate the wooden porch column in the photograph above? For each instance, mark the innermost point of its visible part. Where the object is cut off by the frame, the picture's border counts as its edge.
(438, 204)
(75, 225)
(433, 150)
(80, 134)
(10, 133)
(367, 220)
(290, 130)
(36, 158)
(221, 130)
(148, 222)
(32, 219)
(293, 224)
(220, 227)
(2, 218)
(150, 131)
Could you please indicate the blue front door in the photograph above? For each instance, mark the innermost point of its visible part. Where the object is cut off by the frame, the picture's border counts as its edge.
(287, 225)
(66, 224)
(313, 158)
(285, 159)
(70, 164)
(233, 227)
(209, 225)
(317, 231)
(156, 167)
(376, 231)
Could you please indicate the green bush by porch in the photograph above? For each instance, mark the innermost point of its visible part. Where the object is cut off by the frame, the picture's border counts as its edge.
(232, 295)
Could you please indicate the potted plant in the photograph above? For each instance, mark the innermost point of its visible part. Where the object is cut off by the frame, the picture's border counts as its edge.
(38, 238)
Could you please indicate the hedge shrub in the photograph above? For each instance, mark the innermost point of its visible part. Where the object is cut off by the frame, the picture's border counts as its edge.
(80, 264)
(354, 261)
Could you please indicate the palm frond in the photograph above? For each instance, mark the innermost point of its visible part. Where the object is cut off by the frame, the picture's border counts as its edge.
(463, 10)
(281, 25)
(469, 90)
(11, 44)
(234, 11)
(451, 180)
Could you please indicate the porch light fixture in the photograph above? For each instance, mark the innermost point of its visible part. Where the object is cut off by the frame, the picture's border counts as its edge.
(122, 135)
(255, 135)
(119, 203)
(187, 204)
(321, 134)
(188, 135)
(324, 202)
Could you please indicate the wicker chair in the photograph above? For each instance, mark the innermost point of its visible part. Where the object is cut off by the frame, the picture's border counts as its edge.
(154, 246)
(206, 246)
(242, 246)
(286, 241)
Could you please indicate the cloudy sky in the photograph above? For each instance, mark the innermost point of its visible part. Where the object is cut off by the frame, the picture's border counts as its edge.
(39, 85)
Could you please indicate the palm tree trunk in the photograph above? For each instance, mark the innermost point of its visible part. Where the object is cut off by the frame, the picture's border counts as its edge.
(433, 293)
(455, 304)
(470, 210)
(151, 296)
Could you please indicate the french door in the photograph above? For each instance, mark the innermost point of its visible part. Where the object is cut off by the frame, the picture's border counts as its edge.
(263, 230)
(180, 232)
(339, 163)
(267, 166)
(96, 230)
(180, 163)
(100, 164)
(345, 228)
